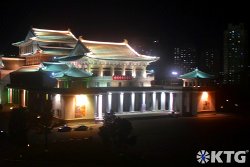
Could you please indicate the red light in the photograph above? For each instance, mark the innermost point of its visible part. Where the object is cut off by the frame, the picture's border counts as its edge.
(121, 77)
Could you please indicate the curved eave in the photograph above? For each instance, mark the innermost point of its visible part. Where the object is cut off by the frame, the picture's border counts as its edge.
(53, 41)
(71, 77)
(68, 58)
(21, 43)
(194, 78)
(139, 58)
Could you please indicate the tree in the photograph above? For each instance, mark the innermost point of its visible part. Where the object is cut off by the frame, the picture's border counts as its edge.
(117, 132)
(41, 116)
(45, 123)
(18, 126)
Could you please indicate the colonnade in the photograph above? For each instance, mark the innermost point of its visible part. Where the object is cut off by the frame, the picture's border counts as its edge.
(99, 99)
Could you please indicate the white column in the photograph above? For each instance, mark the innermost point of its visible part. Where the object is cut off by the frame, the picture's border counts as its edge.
(171, 100)
(143, 104)
(163, 101)
(23, 97)
(100, 71)
(123, 71)
(132, 103)
(134, 72)
(109, 102)
(112, 70)
(10, 95)
(154, 100)
(96, 105)
(120, 109)
(144, 74)
(100, 107)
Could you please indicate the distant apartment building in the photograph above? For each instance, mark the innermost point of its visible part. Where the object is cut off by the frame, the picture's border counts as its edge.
(209, 60)
(235, 53)
(185, 59)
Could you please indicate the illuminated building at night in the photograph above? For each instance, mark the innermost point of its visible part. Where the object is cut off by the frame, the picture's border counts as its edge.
(185, 59)
(235, 53)
(85, 79)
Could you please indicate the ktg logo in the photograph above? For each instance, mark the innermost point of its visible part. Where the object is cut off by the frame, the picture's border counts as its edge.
(204, 156)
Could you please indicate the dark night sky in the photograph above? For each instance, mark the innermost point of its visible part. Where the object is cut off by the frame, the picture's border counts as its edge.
(173, 23)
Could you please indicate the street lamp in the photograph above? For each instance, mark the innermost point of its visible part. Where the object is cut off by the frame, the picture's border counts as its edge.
(174, 75)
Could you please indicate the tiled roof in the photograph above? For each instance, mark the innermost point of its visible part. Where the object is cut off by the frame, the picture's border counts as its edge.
(114, 51)
(196, 74)
(54, 66)
(72, 72)
(53, 35)
(52, 42)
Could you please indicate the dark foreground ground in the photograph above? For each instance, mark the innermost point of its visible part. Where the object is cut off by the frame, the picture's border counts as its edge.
(160, 142)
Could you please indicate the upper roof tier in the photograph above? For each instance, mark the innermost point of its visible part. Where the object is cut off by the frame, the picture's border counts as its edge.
(48, 36)
(196, 74)
(64, 44)
(113, 51)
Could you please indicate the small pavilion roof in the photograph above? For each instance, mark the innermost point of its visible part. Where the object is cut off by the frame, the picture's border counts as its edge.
(72, 72)
(54, 66)
(196, 74)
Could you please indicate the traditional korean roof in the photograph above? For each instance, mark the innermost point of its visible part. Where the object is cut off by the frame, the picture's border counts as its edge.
(52, 42)
(57, 51)
(68, 58)
(32, 68)
(113, 51)
(72, 72)
(196, 74)
(54, 35)
(49, 36)
(54, 66)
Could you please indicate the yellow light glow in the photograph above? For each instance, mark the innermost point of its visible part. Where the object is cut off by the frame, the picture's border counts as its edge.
(204, 96)
(81, 100)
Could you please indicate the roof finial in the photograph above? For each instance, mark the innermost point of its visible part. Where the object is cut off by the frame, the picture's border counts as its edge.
(69, 29)
(125, 41)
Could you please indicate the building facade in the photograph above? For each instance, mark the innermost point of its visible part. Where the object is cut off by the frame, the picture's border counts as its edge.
(185, 59)
(235, 53)
(92, 79)
(210, 60)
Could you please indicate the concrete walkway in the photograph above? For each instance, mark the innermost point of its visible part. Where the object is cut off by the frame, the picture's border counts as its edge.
(145, 114)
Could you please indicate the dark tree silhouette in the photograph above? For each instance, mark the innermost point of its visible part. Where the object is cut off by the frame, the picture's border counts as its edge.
(42, 117)
(18, 126)
(117, 132)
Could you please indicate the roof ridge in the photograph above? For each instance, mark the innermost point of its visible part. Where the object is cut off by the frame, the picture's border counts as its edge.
(49, 30)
